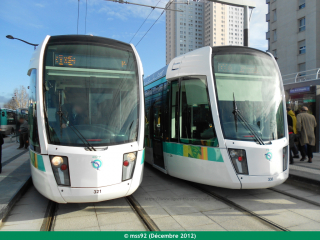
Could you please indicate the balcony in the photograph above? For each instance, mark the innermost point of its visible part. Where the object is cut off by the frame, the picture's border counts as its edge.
(298, 77)
(268, 35)
(268, 17)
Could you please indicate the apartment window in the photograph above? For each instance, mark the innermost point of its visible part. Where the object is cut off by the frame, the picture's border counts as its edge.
(302, 4)
(274, 15)
(302, 24)
(274, 35)
(302, 68)
(302, 47)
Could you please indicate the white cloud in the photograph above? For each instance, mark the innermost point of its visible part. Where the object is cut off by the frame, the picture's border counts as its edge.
(39, 5)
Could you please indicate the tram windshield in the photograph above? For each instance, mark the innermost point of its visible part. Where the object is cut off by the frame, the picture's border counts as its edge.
(91, 95)
(249, 80)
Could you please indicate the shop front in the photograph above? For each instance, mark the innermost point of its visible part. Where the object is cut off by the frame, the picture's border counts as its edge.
(307, 96)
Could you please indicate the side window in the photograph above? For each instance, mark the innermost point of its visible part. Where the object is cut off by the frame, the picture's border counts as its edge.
(196, 123)
(174, 92)
(34, 135)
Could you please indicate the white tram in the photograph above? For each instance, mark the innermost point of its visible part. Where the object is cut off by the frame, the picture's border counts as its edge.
(217, 116)
(86, 116)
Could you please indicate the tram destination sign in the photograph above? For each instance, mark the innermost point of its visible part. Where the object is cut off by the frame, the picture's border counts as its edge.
(87, 61)
(235, 68)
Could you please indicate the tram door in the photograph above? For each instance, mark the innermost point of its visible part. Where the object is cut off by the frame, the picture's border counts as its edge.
(156, 133)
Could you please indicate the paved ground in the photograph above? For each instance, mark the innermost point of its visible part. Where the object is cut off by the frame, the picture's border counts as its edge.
(15, 173)
(170, 202)
(114, 215)
(27, 214)
(174, 205)
(305, 169)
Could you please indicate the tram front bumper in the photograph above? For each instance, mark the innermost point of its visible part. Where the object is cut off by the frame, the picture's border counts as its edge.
(80, 195)
(255, 182)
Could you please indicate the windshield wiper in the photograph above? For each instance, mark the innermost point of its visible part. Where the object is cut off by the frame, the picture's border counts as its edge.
(75, 130)
(236, 112)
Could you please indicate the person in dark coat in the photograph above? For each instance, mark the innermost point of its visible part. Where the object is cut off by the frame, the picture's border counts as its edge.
(1, 143)
(292, 138)
(24, 130)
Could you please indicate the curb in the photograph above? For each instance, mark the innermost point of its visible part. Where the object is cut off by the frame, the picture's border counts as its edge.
(16, 197)
(304, 179)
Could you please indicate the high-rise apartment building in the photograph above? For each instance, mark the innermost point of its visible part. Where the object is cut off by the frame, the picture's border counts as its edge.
(202, 24)
(294, 34)
(184, 30)
(223, 24)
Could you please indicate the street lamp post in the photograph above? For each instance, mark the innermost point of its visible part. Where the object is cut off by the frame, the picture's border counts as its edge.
(32, 44)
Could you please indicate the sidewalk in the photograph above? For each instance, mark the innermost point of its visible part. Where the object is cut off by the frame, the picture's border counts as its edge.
(305, 170)
(15, 176)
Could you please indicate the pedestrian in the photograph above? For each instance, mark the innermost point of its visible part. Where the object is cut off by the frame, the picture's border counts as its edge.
(1, 143)
(292, 122)
(305, 126)
(292, 137)
(24, 129)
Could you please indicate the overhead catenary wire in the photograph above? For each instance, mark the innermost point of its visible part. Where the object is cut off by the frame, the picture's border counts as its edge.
(154, 23)
(143, 22)
(78, 17)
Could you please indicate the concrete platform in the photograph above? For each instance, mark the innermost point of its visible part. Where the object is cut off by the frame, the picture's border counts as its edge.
(15, 176)
(304, 171)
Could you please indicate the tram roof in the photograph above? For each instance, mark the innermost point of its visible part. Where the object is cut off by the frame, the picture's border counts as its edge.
(155, 76)
(90, 39)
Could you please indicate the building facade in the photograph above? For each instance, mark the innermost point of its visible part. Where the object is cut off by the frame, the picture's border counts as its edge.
(201, 24)
(294, 39)
(294, 34)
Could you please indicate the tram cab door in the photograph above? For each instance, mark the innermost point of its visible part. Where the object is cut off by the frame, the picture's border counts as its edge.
(156, 134)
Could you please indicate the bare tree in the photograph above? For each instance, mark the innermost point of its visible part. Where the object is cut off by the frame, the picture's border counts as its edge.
(19, 99)
(11, 104)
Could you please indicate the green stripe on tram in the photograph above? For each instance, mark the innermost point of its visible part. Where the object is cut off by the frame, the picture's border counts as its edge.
(191, 151)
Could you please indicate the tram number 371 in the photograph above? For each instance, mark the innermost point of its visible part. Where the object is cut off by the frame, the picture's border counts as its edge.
(270, 179)
(96, 191)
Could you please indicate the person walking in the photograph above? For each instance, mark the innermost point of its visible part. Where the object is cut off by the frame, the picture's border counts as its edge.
(305, 127)
(1, 143)
(24, 129)
(292, 122)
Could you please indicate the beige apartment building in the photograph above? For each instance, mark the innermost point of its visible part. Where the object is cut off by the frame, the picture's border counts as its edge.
(294, 34)
(201, 24)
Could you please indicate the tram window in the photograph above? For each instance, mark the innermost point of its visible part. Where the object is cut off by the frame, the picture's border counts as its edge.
(3, 114)
(196, 123)
(33, 124)
(95, 92)
(174, 110)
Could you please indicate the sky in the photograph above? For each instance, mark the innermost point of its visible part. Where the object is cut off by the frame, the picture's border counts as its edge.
(32, 20)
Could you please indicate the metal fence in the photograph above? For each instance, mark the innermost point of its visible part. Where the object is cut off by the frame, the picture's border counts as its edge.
(309, 75)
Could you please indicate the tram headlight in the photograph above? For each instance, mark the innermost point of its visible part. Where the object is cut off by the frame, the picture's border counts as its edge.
(60, 169)
(239, 160)
(57, 161)
(129, 162)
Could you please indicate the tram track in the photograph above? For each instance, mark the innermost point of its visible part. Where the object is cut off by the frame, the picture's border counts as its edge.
(141, 213)
(49, 217)
(295, 196)
(240, 208)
